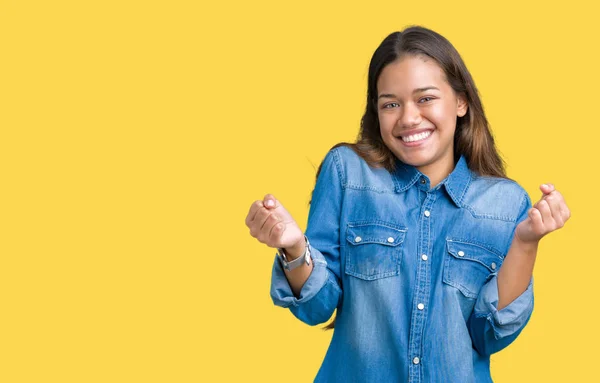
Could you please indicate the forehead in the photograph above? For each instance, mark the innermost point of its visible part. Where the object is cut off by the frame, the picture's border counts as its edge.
(411, 72)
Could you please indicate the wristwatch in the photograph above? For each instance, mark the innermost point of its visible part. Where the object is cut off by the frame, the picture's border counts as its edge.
(291, 265)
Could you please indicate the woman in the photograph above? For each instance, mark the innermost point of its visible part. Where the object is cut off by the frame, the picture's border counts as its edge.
(415, 234)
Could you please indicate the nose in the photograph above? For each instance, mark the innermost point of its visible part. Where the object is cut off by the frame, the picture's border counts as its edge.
(411, 115)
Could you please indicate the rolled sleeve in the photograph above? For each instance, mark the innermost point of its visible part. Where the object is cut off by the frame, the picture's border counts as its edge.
(492, 329)
(313, 304)
(321, 292)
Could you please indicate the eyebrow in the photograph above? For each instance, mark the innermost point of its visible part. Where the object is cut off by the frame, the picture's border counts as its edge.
(418, 90)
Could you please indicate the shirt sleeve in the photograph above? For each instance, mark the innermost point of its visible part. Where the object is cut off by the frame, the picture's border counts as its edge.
(322, 291)
(492, 329)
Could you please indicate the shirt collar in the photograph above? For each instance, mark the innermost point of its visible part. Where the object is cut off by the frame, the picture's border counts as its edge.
(456, 183)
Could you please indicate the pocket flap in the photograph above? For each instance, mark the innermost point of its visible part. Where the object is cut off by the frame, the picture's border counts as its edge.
(358, 234)
(487, 257)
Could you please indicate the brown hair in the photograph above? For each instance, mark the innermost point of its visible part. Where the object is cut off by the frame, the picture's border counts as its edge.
(472, 137)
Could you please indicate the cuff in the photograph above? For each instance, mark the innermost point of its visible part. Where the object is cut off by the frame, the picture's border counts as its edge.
(511, 318)
(282, 293)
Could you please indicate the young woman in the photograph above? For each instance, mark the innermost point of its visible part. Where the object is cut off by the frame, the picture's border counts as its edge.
(415, 234)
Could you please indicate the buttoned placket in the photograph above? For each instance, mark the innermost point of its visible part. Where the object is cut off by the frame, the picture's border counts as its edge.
(423, 286)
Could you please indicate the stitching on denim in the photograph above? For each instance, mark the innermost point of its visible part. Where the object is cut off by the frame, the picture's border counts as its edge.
(460, 199)
(352, 268)
(378, 222)
(525, 202)
(305, 299)
(482, 245)
(369, 188)
(488, 216)
(502, 217)
(339, 168)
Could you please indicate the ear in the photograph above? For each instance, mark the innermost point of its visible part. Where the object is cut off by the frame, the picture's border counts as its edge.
(462, 106)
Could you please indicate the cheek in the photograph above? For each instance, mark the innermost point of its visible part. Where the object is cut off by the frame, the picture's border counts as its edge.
(386, 121)
(443, 115)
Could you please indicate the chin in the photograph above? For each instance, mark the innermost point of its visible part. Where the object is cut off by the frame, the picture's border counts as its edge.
(415, 160)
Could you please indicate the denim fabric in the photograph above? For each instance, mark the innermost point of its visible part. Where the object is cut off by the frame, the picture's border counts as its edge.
(411, 271)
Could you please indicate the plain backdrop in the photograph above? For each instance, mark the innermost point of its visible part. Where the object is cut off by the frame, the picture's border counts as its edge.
(134, 136)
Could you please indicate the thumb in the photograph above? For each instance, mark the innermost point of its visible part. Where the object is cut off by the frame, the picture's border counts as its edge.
(270, 202)
(546, 188)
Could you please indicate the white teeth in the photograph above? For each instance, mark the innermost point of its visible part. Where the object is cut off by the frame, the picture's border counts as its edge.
(417, 137)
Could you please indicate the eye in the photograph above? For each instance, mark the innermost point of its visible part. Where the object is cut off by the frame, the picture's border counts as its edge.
(426, 99)
(391, 103)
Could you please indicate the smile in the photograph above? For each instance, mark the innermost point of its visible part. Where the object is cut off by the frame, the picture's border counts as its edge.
(416, 137)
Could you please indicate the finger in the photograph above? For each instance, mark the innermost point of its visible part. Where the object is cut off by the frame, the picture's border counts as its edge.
(265, 230)
(546, 188)
(261, 218)
(537, 223)
(258, 221)
(566, 212)
(563, 209)
(544, 209)
(275, 233)
(252, 212)
(554, 200)
(270, 201)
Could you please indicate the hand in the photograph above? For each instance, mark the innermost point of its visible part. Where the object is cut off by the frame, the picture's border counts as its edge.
(271, 224)
(548, 214)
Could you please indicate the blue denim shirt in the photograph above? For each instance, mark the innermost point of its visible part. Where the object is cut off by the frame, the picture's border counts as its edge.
(412, 271)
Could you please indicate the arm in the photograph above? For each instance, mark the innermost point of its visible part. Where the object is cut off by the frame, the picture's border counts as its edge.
(505, 303)
(516, 271)
(313, 293)
(548, 214)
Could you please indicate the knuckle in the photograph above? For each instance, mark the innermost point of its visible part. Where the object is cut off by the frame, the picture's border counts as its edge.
(273, 234)
(261, 215)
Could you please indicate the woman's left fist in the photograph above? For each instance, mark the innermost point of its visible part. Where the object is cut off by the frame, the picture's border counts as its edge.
(548, 214)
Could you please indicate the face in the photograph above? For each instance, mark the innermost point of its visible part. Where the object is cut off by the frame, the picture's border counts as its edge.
(417, 112)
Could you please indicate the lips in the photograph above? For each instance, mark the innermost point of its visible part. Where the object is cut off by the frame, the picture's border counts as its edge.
(413, 132)
(420, 141)
(416, 136)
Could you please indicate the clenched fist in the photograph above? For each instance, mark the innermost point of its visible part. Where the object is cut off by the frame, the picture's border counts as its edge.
(272, 224)
(547, 215)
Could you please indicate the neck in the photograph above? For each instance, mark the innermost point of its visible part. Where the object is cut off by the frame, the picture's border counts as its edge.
(437, 172)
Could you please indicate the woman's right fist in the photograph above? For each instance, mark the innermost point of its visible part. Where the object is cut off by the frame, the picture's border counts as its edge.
(271, 224)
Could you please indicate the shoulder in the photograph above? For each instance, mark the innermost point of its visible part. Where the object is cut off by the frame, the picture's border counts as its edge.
(356, 173)
(496, 198)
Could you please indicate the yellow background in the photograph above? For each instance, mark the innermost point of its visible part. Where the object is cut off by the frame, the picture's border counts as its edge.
(136, 134)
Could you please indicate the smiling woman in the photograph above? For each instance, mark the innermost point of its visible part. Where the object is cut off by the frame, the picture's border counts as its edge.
(417, 112)
(415, 234)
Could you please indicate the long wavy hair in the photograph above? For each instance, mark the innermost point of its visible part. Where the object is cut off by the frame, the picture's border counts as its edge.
(472, 137)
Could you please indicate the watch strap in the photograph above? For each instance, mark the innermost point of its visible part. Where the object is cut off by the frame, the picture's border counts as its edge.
(291, 265)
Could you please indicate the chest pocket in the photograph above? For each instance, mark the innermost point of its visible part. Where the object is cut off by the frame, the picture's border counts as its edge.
(374, 249)
(467, 266)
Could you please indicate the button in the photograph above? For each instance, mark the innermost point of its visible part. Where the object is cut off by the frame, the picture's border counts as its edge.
(357, 239)
(416, 360)
(420, 306)
(427, 213)
(424, 257)
(390, 240)
(461, 253)
(493, 265)
(423, 181)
